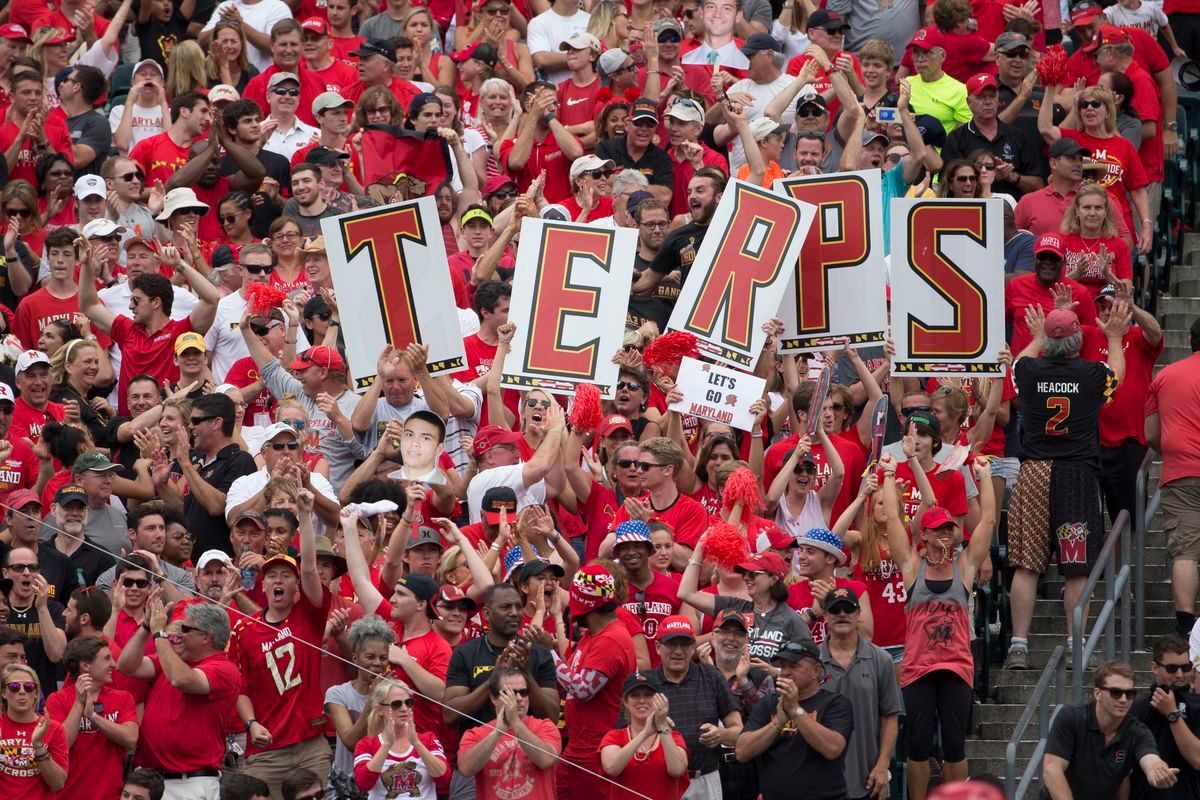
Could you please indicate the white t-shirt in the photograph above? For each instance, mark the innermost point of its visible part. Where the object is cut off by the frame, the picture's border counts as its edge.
(1148, 16)
(550, 29)
(503, 476)
(146, 121)
(224, 341)
(261, 16)
(763, 94)
(247, 486)
(794, 44)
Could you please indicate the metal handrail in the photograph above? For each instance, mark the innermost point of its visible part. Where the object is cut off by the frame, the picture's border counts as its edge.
(1053, 674)
(1116, 583)
(1144, 511)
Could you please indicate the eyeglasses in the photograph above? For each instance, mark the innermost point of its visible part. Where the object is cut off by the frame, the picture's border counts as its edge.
(627, 463)
(129, 176)
(646, 466)
(29, 687)
(537, 403)
(140, 583)
(1173, 668)
(1091, 104)
(253, 269)
(804, 469)
(199, 420)
(18, 212)
(289, 236)
(23, 567)
(655, 224)
(396, 705)
(632, 386)
(279, 447)
(669, 38)
(189, 629)
(319, 794)
(984, 166)
(183, 536)
(805, 111)
(286, 92)
(1117, 694)
(380, 110)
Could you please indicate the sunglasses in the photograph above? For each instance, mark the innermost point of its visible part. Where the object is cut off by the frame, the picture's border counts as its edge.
(597, 174)
(496, 11)
(140, 583)
(632, 386)
(646, 466)
(1173, 668)
(396, 705)
(189, 629)
(259, 330)
(537, 404)
(626, 68)
(18, 212)
(29, 687)
(1022, 53)
(198, 420)
(896, 158)
(298, 424)
(966, 179)
(1091, 104)
(505, 194)
(253, 269)
(229, 219)
(1117, 694)
(751, 574)
(645, 123)
(908, 411)
(286, 92)
(805, 111)
(668, 38)
(627, 463)
(22, 567)
(129, 176)
(984, 166)
(279, 447)
(183, 536)
(805, 469)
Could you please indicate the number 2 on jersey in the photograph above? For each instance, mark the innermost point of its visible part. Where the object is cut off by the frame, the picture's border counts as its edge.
(284, 679)
(1061, 407)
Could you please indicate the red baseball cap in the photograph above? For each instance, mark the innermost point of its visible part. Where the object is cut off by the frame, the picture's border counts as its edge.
(1061, 322)
(316, 25)
(613, 423)
(777, 539)
(1083, 14)
(731, 615)
(1050, 243)
(936, 517)
(765, 562)
(927, 39)
(1108, 34)
(449, 593)
(320, 356)
(490, 436)
(977, 83)
(674, 627)
(21, 498)
(15, 32)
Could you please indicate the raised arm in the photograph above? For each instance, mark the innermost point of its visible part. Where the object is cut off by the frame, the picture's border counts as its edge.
(901, 551)
(89, 299)
(369, 596)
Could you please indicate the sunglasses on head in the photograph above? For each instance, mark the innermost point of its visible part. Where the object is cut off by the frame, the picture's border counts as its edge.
(1091, 103)
(396, 705)
(29, 687)
(1117, 694)
(140, 583)
(279, 447)
(286, 92)
(1173, 668)
(632, 386)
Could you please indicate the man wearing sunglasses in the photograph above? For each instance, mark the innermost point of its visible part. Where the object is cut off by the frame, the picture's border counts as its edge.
(32, 613)
(147, 537)
(1093, 746)
(636, 149)
(282, 455)
(1172, 713)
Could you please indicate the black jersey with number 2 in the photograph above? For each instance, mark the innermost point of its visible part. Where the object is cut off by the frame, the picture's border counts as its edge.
(1061, 400)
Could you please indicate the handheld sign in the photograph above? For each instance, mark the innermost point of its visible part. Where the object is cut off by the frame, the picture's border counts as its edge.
(381, 261)
(818, 402)
(718, 393)
(878, 428)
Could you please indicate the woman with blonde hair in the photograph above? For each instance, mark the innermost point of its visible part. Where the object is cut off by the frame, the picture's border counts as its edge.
(609, 22)
(187, 70)
(432, 65)
(1096, 108)
(791, 27)
(497, 118)
(284, 237)
(226, 61)
(36, 750)
(53, 48)
(75, 369)
(394, 746)
(1095, 254)
(24, 229)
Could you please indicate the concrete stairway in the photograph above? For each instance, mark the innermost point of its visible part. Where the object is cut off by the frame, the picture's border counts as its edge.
(996, 718)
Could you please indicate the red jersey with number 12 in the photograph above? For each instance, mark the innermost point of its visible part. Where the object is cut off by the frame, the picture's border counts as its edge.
(281, 671)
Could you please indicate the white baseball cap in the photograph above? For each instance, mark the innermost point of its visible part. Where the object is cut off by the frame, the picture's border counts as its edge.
(90, 186)
(101, 227)
(588, 163)
(209, 556)
(6, 394)
(29, 358)
(276, 429)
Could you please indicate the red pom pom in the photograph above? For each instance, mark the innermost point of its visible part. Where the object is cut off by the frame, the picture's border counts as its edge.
(585, 412)
(664, 353)
(263, 297)
(604, 95)
(742, 486)
(632, 93)
(725, 546)
(1052, 66)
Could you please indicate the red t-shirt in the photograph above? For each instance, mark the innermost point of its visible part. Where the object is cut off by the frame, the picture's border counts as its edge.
(885, 587)
(1124, 416)
(706, 497)
(1147, 54)
(1174, 395)
(609, 653)
(186, 732)
(1124, 167)
(159, 157)
(96, 761)
(27, 421)
(1027, 290)
(432, 653)
(1087, 251)
(39, 308)
(509, 773)
(683, 171)
(343, 46)
(651, 606)
(281, 672)
(480, 356)
(403, 90)
(647, 778)
(209, 228)
(822, 83)
(577, 104)
(603, 208)
(948, 484)
(124, 629)
(800, 596)
(600, 510)
(404, 773)
(687, 518)
(243, 373)
(336, 76)
(1146, 105)
(141, 351)
(20, 778)
(544, 155)
(26, 166)
(19, 470)
(852, 459)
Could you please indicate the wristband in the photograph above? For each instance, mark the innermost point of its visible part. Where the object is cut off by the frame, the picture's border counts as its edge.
(496, 545)
(664, 731)
(693, 562)
(146, 628)
(42, 756)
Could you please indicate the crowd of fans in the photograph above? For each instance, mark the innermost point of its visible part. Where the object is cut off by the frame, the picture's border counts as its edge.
(220, 580)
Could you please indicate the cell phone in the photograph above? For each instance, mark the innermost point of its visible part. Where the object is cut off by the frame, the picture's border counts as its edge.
(97, 708)
(885, 114)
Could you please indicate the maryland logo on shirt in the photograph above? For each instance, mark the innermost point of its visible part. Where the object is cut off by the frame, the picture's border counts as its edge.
(401, 780)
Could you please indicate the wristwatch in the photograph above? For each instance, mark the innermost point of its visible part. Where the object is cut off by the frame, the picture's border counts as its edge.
(161, 635)
(1174, 716)
(1173, 127)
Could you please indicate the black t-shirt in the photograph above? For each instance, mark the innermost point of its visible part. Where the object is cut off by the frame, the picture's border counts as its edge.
(126, 453)
(471, 665)
(157, 39)
(266, 212)
(1010, 145)
(91, 420)
(655, 164)
(56, 568)
(678, 250)
(1096, 769)
(27, 623)
(1188, 787)
(211, 530)
(1061, 400)
(790, 763)
(655, 307)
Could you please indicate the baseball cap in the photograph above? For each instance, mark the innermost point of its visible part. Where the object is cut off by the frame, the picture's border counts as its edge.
(808, 97)
(641, 680)
(644, 109)
(1011, 40)
(315, 305)
(90, 186)
(29, 358)
(762, 127)
(449, 593)
(936, 517)
(827, 20)
(555, 212)
(685, 109)
(316, 25)
(1061, 322)
(497, 499)
(757, 42)
(676, 626)
(490, 436)
(632, 531)
(496, 183)
(537, 567)
(1109, 292)
(727, 615)
(1083, 14)
(324, 155)
(1050, 243)
(424, 587)
(6, 394)
(977, 83)
(327, 100)
(281, 77)
(15, 32)
(581, 41)
(765, 562)
(223, 93)
(1068, 147)
(144, 241)
(775, 539)
(870, 136)
(93, 461)
(588, 163)
(284, 559)
(932, 131)
(480, 51)
(611, 60)
(101, 227)
(667, 24)
(825, 540)
(190, 340)
(613, 423)
(794, 651)
(592, 587)
(376, 47)
(21, 498)
(927, 39)
(841, 596)
(70, 493)
(66, 37)
(209, 556)
(320, 356)
(923, 417)
(425, 535)
(1108, 34)
(259, 521)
